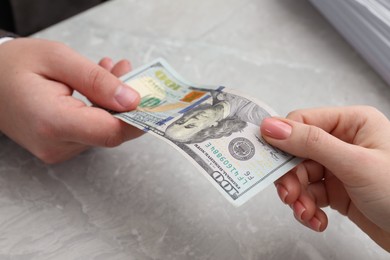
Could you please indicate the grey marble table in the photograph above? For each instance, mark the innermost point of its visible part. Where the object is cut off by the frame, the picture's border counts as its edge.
(142, 200)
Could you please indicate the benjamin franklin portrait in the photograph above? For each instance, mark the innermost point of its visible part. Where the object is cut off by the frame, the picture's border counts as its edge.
(227, 114)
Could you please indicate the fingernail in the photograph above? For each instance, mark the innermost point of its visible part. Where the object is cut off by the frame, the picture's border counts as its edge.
(315, 224)
(275, 128)
(299, 209)
(282, 192)
(110, 62)
(126, 96)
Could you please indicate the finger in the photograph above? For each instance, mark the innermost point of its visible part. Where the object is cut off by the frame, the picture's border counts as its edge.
(96, 127)
(318, 222)
(338, 197)
(121, 68)
(55, 152)
(305, 206)
(76, 149)
(288, 187)
(319, 193)
(61, 154)
(309, 141)
(309, 171)
(93, 81)
(299, 194)
(305, 203)
(106, 63)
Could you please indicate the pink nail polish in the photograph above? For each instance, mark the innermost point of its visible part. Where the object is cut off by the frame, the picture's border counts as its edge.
(299, 209)
(315, 224)
(275, 128)
(282, 192)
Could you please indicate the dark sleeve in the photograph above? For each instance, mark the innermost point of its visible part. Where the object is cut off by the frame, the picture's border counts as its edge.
(31, 16)
(6, 16)
(7, 34)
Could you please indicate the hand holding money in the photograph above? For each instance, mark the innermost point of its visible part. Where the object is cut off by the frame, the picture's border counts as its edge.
(37, 110)
(215, 128)
(348, 151)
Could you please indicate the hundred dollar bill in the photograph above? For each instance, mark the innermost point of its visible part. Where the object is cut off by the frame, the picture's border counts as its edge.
(215, 128)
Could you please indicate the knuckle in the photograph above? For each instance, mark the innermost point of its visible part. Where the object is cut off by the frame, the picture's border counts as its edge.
(58, 46)
(368, 110)
(111, 136)
(366, 116)
(296, 115)
(48, 159)
(94, 79)
(47, 155)
(113, 141)
(115, 138)
(313, 138)
(57, 51)
(364, 111)
(45, 130)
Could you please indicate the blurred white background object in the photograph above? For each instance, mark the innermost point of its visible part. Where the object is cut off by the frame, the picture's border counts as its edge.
(366, 25)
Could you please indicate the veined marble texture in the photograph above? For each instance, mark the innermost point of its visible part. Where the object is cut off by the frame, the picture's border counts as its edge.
(143, 200)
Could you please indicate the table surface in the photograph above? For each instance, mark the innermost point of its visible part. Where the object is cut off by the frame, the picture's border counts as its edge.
(143, 200)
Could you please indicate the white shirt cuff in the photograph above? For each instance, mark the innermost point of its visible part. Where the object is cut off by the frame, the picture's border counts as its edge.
(5, 39)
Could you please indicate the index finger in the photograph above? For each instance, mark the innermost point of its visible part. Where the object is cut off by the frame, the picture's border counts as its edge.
(97, 84)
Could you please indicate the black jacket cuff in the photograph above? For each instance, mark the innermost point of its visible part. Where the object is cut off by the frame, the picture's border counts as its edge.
(7, 34)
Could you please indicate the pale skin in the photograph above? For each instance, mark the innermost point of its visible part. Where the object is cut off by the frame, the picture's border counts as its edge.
(37, 110)
(347, 166)
(347, 149)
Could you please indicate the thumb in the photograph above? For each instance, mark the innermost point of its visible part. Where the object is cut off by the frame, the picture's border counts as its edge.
(97, 84)
(311, 142)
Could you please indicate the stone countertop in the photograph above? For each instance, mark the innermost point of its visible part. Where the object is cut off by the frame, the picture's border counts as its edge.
(143, 200)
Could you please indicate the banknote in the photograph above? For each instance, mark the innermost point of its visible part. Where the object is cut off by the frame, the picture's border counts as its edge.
(214, 127)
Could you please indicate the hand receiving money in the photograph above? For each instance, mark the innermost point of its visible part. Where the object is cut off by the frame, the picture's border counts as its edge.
(216, 128)
(348, 152)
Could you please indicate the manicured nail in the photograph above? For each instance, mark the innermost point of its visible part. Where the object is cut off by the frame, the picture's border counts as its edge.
(275, 128)
(282, 192)
(315, 224)
(126, 96)
(299, 209)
